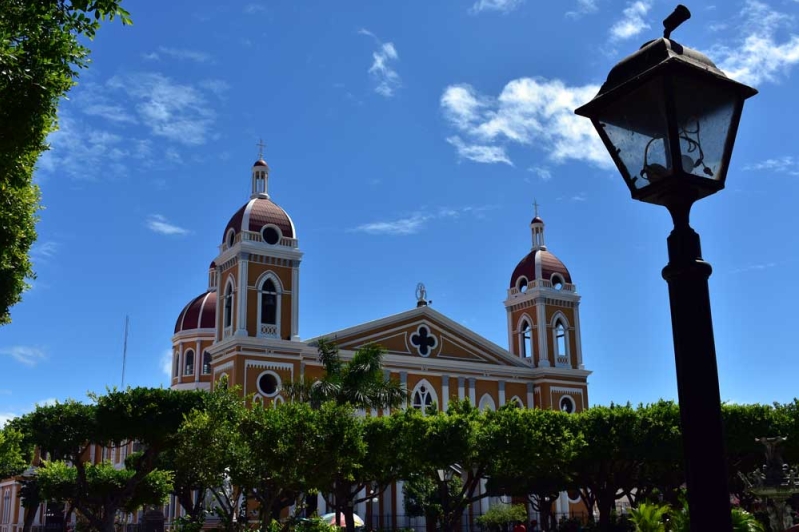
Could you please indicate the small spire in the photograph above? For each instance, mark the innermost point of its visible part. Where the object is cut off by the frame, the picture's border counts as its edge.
(261, 147)
(535, 206)
(537, 228)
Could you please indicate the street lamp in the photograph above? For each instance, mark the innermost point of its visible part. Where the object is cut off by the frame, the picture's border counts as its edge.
(668, 116)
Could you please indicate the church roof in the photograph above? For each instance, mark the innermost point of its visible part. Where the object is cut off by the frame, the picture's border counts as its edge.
(200, 313)
(257, 213)
(539, 264)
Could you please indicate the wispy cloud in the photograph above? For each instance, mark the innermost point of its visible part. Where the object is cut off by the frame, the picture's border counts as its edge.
(541, 172)
(632, 22)
(217, 86)
(182, 54)
(502, 6)
(416, 221)
(176, 111)
(530, 112)
(758, 56)
(28, 355)
(42, 251)
(755, 267)
(781, 165)
(479, 153)
(253, 8)
(166, 363)
(387, 80)
(159, 224)
(584, 7)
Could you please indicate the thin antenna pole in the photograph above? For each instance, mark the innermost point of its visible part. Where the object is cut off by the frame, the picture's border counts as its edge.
(124, 352)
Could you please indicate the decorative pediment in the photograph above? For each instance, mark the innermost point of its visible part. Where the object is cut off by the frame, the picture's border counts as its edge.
(424, 333)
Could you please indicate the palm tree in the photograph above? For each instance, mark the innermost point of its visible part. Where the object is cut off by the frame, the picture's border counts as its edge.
(359, 383)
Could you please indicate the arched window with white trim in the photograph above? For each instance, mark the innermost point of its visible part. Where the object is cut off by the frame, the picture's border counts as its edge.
(560, 340)
(487, 403)
(206, 363)
(526, 350)
(227, 309)
(423, 397)
(188, 364)
(269, 307)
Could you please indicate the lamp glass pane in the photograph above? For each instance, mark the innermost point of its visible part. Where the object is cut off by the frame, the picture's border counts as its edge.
(704, 116)
(636, 126)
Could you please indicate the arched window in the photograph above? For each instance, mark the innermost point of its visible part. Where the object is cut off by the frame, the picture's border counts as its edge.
(228, 308)
(269, 302)
(487, 403)
(423, 397)
(525, 340)
(561, 344)
(206, 363)
(188, 365)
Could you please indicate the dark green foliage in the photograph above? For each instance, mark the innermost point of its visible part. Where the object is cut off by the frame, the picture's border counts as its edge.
(40, 54)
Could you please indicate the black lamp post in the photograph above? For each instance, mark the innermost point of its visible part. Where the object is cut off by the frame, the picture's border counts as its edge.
(668, 116)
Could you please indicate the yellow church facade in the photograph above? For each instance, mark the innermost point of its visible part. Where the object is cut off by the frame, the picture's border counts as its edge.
(245, 326)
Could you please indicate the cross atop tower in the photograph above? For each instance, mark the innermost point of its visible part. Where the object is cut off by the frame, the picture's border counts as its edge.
(535, 206)
(261, 147)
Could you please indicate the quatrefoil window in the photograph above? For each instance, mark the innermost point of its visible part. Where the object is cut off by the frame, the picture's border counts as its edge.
(423, 341)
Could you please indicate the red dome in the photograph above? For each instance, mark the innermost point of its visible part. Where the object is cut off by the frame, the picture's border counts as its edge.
(261, 162)
(200, 313)
(257, 213)
(539, 264)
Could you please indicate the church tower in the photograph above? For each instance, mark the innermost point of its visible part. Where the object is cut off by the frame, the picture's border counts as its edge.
(543, 313)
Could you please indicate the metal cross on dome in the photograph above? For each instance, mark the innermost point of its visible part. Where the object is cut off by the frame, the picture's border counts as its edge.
(261, 147)
(535, 206)
(423, 341)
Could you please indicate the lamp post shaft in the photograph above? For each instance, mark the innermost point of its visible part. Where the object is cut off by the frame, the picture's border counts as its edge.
(697, 380)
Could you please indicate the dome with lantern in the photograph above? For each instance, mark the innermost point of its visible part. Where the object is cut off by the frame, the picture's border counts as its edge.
(539, 264)
(260, 219)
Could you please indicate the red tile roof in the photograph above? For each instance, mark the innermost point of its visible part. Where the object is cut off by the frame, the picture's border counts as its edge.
(200, 313)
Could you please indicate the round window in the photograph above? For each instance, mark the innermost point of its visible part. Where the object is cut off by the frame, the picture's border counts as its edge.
(231, 235)
(271, 235)
(267, 384)
(566, 404)
(557, 282)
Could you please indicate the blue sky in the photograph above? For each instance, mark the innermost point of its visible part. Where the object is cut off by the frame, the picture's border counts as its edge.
(408, 141)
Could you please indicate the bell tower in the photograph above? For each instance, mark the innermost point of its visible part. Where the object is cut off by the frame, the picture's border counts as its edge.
(542, 307)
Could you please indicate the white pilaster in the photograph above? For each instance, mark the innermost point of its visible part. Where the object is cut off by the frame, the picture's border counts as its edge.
(472, 391)
(444, 392)
(241, 307)
(404, 383)
(198, 362)
(461, 394)
(180, 362)
(501, 394)
(295, 302)
(530, 399)
(541, 327)
(578, 344)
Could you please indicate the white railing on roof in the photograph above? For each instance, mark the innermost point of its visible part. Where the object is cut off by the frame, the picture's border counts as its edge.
(542, 283)
(253, 236)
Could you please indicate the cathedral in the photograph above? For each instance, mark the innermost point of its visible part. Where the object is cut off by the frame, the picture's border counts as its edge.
(245, 327)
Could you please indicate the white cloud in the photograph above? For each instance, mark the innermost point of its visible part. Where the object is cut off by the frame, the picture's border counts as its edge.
(159, 224)
(152, 56)
(783, 165)
(166, 363)
(28, 355)
(183, 54)
(632, 22)
(531, 112)
(584, 7)
(416, 221)
(503, 6)
(217, 86)
(479, 153)
(541, 172)
(382, 71)
(172, 110)
(5, 417)
(251, 9)
(44, 250)
(758, 56)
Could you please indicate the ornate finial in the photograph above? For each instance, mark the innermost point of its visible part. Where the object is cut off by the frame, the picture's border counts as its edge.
(535, 206)
(261, 147)
(421, 296)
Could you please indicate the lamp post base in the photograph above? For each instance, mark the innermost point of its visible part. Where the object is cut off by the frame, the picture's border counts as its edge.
(697, 381)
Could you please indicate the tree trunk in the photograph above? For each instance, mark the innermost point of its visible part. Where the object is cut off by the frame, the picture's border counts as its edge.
(349, 518)
(605, 504)
(30, 516)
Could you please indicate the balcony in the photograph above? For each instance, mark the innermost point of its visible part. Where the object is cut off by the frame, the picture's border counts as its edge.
(252, 236)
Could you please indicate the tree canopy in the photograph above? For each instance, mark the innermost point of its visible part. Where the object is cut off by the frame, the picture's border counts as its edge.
(41, 52)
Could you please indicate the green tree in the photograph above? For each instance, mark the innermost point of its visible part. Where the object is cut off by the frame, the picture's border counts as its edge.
(211, 456)
(359, 382)
(63, 433)
(534, 450)
(501, 517)
(14, 456)
(40, 54)
(649, 517)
